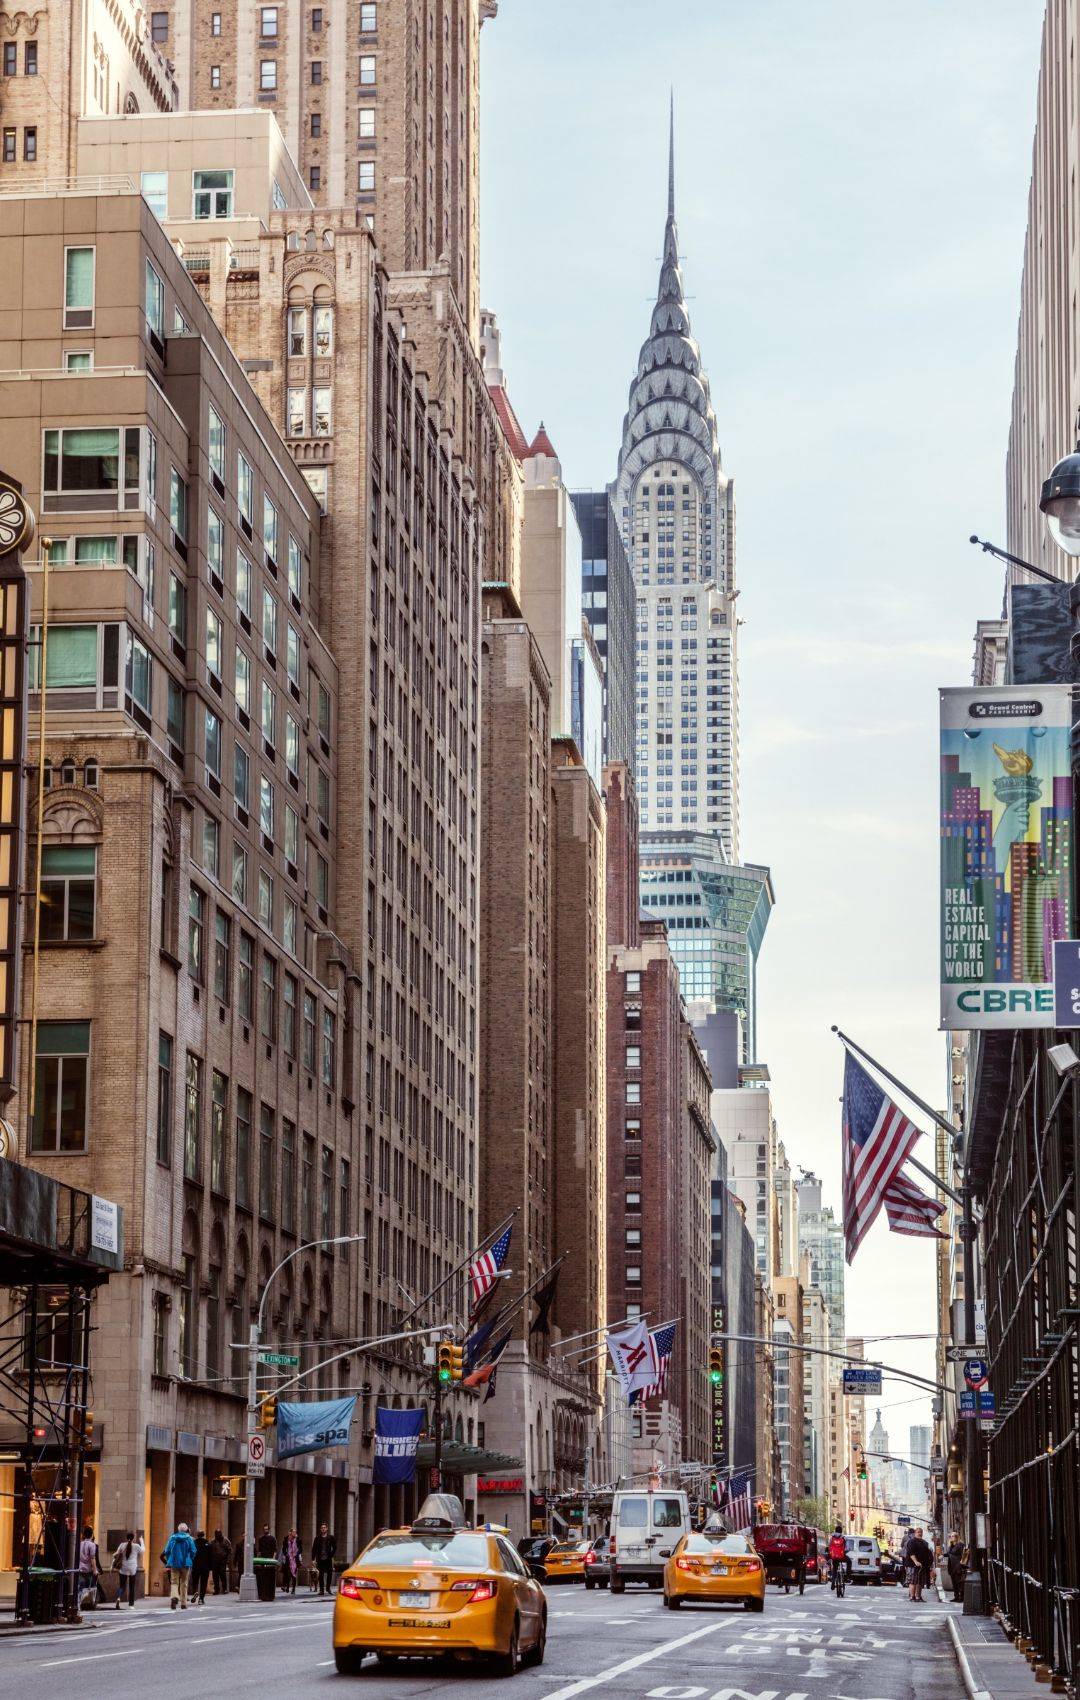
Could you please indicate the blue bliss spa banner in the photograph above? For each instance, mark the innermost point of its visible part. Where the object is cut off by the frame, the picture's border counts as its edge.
(397, 1435)
(312, 1426)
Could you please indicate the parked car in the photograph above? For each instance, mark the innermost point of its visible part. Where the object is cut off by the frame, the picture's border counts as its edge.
(597, 1563)
(534, 1549)
(864, 1560)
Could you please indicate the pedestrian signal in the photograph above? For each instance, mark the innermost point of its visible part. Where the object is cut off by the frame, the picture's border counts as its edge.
(444, 1361)
(716, 1366)
(228, 1487)
(268, 1412)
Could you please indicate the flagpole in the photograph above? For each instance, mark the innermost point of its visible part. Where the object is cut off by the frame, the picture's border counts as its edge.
(973, 1580)
(482, 1245)
(509, 1311)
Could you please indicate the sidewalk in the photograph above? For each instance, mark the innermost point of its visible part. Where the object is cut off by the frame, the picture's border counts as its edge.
(104, 1616)
(990, 1665)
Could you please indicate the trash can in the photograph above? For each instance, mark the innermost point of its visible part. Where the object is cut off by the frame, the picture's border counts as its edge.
(41, 1603)
(266, 1570)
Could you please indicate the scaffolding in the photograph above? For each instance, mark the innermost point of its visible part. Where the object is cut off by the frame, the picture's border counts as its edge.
(56, 1249)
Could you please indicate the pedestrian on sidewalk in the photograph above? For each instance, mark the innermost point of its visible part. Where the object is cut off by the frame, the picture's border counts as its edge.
(238, 1561)
(90, 1567)
(323, 1551)
(126, 1565)
(178, 1557)
(200, 1569)
(956, 1565)
(220, 1551)
(291, 1554)
(266, 1546)
(921, 1560)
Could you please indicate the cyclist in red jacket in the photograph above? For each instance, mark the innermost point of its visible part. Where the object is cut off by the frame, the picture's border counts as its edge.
(838, 1553)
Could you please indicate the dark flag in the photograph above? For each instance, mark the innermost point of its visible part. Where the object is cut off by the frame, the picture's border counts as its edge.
(543, 1302)
(496, 1353)
(476, 1342)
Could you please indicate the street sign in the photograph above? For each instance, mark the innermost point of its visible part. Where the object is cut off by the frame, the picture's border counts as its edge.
(256, 1454)
(281, 1360)
(976, 1372)
(1067, 983)
(957, 1354)
(903, 1520)
(862, 1381)
(979, 1403)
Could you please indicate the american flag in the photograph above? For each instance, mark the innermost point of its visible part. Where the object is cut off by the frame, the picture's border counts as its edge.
(912, 1211)
(662, 1341)
(736, 1500)
(878, 1138)
(483, 1272)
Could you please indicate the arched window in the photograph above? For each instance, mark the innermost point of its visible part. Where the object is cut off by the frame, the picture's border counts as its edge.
(67, 773)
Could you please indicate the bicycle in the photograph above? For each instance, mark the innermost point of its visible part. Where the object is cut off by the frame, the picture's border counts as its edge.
(838, 1579)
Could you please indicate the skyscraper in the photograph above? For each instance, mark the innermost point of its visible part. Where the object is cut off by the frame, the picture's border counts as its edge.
(676, 510)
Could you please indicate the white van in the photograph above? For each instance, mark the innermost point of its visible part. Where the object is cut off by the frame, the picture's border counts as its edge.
(646, 1526)
(864, 1559)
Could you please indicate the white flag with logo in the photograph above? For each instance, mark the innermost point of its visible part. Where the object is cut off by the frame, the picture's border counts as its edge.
(632, 1355)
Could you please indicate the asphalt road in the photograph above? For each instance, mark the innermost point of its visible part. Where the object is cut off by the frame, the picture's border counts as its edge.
(872, 1645)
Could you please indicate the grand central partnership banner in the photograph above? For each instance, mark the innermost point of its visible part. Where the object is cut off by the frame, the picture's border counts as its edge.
(1006, 852)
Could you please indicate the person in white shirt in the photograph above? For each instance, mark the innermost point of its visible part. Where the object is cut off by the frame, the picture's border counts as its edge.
(126, 1562)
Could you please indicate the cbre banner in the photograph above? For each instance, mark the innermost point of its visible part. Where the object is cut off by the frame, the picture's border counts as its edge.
(1006, 852)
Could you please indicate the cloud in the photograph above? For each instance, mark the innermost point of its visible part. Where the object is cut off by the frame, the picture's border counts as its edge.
(779, 731)
(823, 649)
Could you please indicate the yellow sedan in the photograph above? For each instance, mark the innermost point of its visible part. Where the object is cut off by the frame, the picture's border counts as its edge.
(566, 1562)
(428, 1591)
(714, 1566)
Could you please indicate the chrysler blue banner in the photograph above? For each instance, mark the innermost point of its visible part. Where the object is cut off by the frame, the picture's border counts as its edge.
(311, 1427)
(1006, 852)
(397, 1435)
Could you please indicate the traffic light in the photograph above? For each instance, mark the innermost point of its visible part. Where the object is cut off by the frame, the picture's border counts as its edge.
(268, 1411)
(444, 1361)
(82, 1428)
(716, 1365)
(457, 1362)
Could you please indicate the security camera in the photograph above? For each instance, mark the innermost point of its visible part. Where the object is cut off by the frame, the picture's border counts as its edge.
(1064, 1058)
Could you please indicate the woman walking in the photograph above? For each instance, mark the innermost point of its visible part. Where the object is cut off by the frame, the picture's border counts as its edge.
(126, 1564)
(291, 1554)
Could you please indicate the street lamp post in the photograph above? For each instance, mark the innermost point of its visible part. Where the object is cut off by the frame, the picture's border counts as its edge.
(248, 1590)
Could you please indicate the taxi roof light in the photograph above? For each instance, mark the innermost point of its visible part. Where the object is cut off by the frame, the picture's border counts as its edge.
(440, 1511)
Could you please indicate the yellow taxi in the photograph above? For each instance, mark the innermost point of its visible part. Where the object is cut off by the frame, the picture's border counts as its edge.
(565, 1562)
(713, 1565)
(439, 1588)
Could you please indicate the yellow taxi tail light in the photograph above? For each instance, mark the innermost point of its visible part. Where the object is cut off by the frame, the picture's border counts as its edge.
(686, 1564)
(353, 1586)
(477, 1590)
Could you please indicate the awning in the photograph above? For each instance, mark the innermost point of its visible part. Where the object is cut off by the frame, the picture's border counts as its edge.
(467, 1460)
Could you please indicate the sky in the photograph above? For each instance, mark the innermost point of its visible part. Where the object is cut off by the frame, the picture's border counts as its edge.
(851, 187)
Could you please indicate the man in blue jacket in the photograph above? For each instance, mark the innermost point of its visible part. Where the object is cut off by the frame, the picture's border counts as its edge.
(178, 1558)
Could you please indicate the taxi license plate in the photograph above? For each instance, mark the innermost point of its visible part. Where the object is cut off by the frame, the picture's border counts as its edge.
(419, 1622)
(719, 1569)
(423, 1601)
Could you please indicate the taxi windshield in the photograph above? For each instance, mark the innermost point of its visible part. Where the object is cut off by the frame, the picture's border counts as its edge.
(430, 1550)
(736, 1545)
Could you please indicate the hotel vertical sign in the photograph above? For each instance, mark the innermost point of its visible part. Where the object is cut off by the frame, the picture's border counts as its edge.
(16, 533)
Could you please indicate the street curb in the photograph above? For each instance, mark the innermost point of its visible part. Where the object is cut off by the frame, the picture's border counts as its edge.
(965, 1668)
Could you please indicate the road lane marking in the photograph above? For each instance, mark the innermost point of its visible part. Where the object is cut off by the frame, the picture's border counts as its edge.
(584, 1683)
(241, 1634)
(84, 1658)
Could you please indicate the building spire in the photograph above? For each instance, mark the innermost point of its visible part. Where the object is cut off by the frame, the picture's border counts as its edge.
(671, 162)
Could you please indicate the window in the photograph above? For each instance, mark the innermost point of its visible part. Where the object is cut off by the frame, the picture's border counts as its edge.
(175, 715)
(246, 978)
(329, 1046)
(213, 644)
(367, 70)
(78, 287)
(212, 191)
(193, 1085)
(61, 1078)
(196, 932)
(292, 747)
(161, 1335)
(213, 744)
(289, 990)
(268, 999)
(367, 124)
(30, 59)
(164, 1101)
(243, 583)
(323, 710)
(211, 856)
(296, 413)
(268, 712)
(216, 444)
(633, 985)
(316, 71)
(243, 1147)
(245, 489)
(326, 1194)
(9, 146)
(241, 776)
(215, 545)
(269, 622)
(215, 23)
(78, 360)
(266, 1163)
(178, 497)
(138, 681)
(239, 872)
(270, 528)
(268, 75)
(324, 331)
(316, 124)
(633, 1056)
(68, 875)
(219, 1109)
(266, 806)
(159, 27)
(85, 461)
(242, 687)
(633, 1092)
(155, 302)
(222, 954)
(367, 18)
(29, 146)
(215, 74)
(309, 1033)
(296, 568)
(11, 58)
(288, 1175)
(316, 19)
(320, 411)
(176, 609)
(297, 331)
(155, 192)
(366, 177)
(292, 835)
(292, 654)
(315, 177)
(268, 20)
